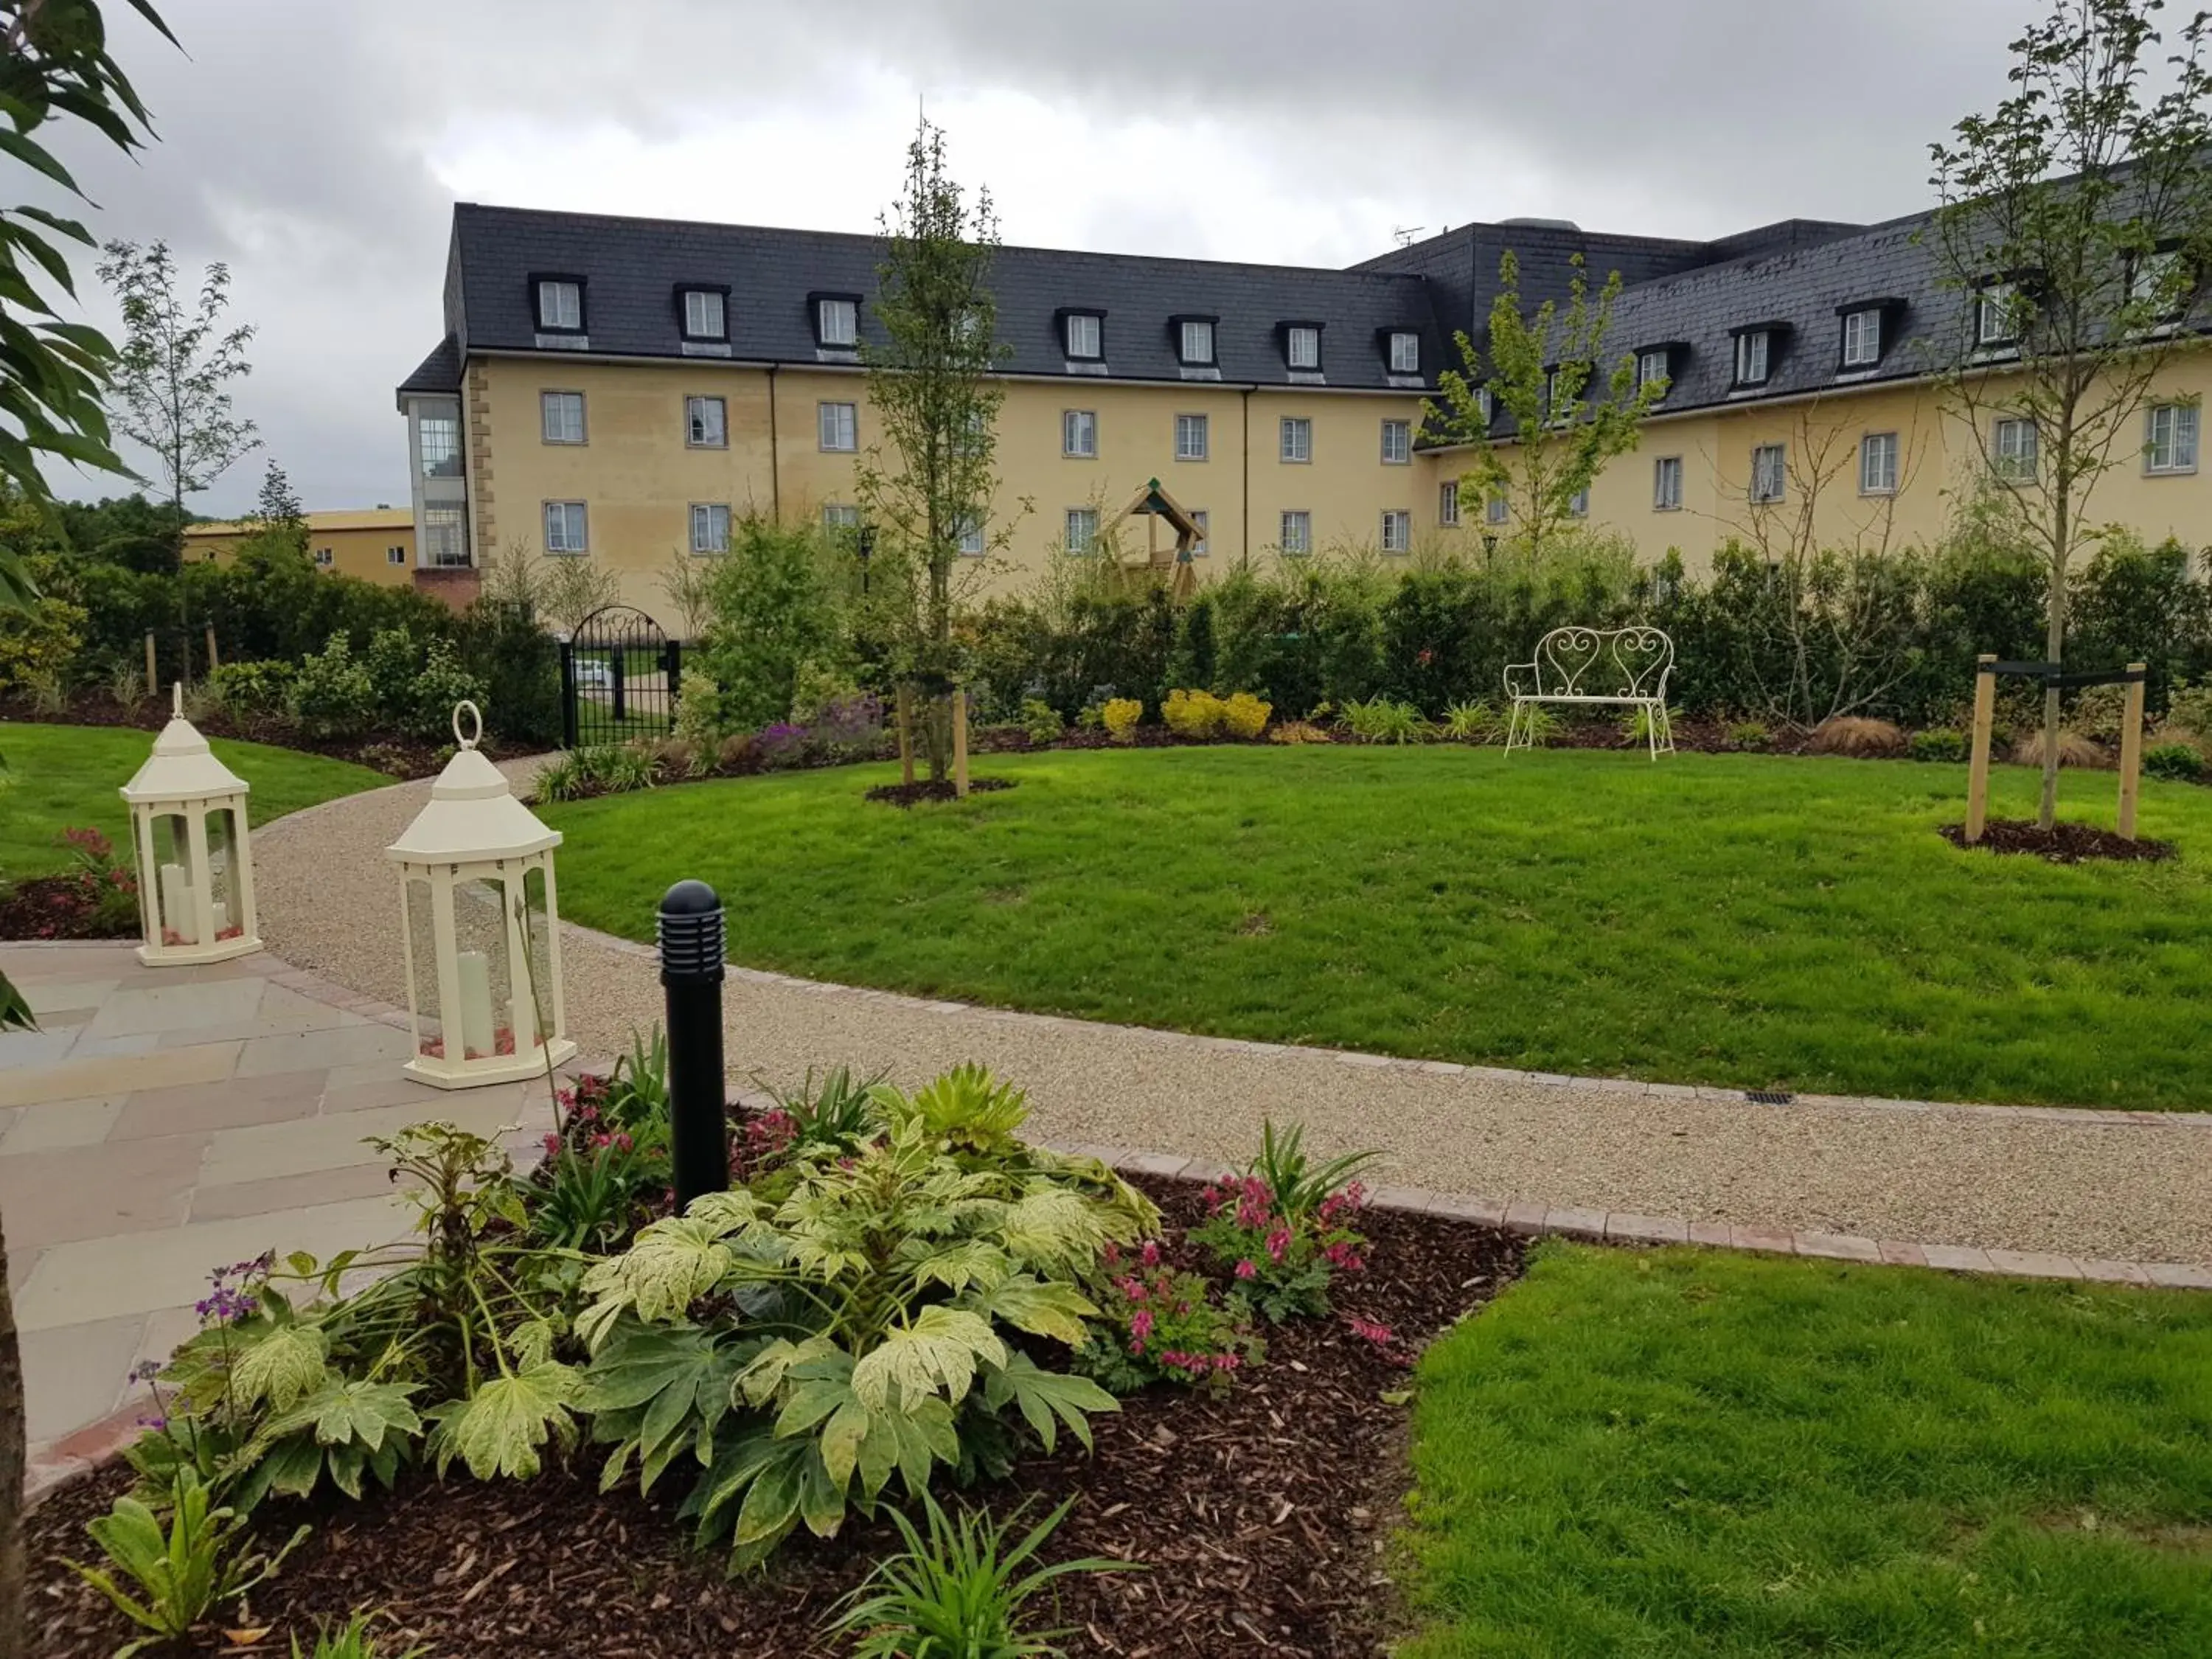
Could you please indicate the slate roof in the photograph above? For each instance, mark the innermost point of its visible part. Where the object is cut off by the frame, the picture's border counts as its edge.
(438, 372)
(631, 269)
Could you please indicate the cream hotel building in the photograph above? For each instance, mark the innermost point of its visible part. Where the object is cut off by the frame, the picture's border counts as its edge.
(619, 389)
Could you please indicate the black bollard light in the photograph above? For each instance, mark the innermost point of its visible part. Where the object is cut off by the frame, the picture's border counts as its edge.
(691, 933)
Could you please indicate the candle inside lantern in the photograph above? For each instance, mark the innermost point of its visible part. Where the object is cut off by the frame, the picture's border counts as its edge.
(476, 1004)
(177, 914)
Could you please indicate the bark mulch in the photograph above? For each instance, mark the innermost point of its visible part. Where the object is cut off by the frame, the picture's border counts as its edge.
(58, 906)
(1260, 1517)
(2063, 843)
(922, 789)
(401, 757)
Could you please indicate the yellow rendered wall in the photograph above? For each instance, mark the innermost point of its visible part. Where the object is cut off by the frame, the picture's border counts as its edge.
(362, 553)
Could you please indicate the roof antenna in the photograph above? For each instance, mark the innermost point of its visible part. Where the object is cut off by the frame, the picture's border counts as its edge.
(1406, 235)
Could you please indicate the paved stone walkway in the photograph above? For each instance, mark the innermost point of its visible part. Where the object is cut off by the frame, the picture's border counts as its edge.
(164, 1122)
(2035, 1181)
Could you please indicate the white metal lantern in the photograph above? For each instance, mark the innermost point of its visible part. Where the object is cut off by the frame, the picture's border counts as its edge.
(188, 832)
(480, 927)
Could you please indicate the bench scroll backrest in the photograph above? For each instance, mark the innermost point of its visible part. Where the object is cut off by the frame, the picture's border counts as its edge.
(1603, 662)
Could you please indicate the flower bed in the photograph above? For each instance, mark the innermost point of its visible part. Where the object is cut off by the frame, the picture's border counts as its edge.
(97, 897)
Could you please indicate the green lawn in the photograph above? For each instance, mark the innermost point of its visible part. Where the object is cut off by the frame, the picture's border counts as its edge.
(1683, 1453)
(1728, 919)
(60, 777)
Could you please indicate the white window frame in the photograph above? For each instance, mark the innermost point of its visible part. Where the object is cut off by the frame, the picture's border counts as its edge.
(696, 432)
(837, 426)
(705, 514)
(1651, 366)
(1397, 443)
(395, 556)
(970, 533)
(836, 515)
(550, 402)
(2182, 424)
(1769, 474)
(324, 558)
(566, 296)
(1195, 332)
(1405, 351)
(1295, 532)
(442, 526)
(1083, 337)
(1495, 510)
(2015, 449)
(1448, 503)
(1294, 446)
(567, 528)
(706, 314)
(1080, 532)
(449, 424)
(1397, 530)
(1198, 548)
(1878, 463)
(1995, 319)
(1579, 503)
(2147, 273)
(1666, 484)
(1863, 337)
(837, 323)
(1299, 335)
(1194, 437)
(1078, 435)
(1755, 357)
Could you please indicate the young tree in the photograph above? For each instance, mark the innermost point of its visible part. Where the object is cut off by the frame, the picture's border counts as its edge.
(51, 374)
(1568, 414)
(173, 372)
(933, 385)
(2075, 223)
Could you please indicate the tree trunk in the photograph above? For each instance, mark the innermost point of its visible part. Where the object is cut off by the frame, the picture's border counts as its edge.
(14, 1615)
(2053, 646)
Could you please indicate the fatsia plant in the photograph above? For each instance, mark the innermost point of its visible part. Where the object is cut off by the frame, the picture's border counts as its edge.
(966, 1110)
(865, 1328)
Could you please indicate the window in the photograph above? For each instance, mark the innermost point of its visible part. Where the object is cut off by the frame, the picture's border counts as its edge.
(1751, 351)
(1397, 442)
(1878, 463)
(1198, 547)
(1078, 434)
(1995, 314)
(563, 414)
(1190, 437)
(2157, 279)
(565, 527)
(1862, 338)
(841, 518)
(1494, 510)
(1448, 503)
(1296, 534)
(1769, 473)
(1197, 341)
(395, 556)
(703, 424)
(559, 305)
(971, 536)
(837, 322)
(1651, 368)
(703, 316)
(2172, 441)
(1298, 438)
(440, 436)
(325, 558)
(1082, 529)
(710, 527)
(1085, 336)
(1666, 484)
(2012, 451)
(1579, 503)
(1485, 403)
(1405, 352)
(1552, 395)
(1301, 347)
(1397, 530)
(840, 427)
(444, 538)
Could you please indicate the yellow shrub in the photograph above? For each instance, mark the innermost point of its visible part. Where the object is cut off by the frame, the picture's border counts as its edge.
(1244, 716)
(1120, 716)
(1298, 731)
(1192, 713)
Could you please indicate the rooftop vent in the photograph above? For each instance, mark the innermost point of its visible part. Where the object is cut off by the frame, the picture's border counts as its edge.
(1543, 224)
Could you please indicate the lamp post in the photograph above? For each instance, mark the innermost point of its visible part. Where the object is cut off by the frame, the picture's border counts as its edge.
(480, 927)
(689, 929)
(865, 542)
(188, 836)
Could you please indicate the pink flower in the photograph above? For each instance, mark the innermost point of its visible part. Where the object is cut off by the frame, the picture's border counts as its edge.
(1378, 1334)
(1112, 1254)
(552, 1144)
(1150, 1255)
(1246, 1270)
(1278, 1241)
(1140, 1322)
(1226, 1362)
(624, 1142)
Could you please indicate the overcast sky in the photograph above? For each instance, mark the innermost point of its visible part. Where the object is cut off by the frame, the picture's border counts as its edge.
(318, 145)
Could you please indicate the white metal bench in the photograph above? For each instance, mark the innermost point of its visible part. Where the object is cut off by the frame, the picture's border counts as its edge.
(1627, 666)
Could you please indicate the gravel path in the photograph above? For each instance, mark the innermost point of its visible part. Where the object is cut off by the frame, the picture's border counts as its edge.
(2121, 1185)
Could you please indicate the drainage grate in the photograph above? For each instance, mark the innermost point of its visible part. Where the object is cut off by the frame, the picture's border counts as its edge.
(1768, 1096)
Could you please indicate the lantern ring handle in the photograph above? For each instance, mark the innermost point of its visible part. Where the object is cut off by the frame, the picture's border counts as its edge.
(475, 721)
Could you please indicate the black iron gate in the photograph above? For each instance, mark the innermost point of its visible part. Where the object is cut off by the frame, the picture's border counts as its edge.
(619, 677)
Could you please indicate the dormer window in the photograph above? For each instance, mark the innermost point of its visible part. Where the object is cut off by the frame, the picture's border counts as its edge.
(1997, 314)
(1863, 337)
(1302, 345)
(1754, 355)
(1405, 351)
(1084, 333)
(837, 321)
(2160, 280)
(1194, 342)
(705, 315)
(561, 304)
(1654, 366)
